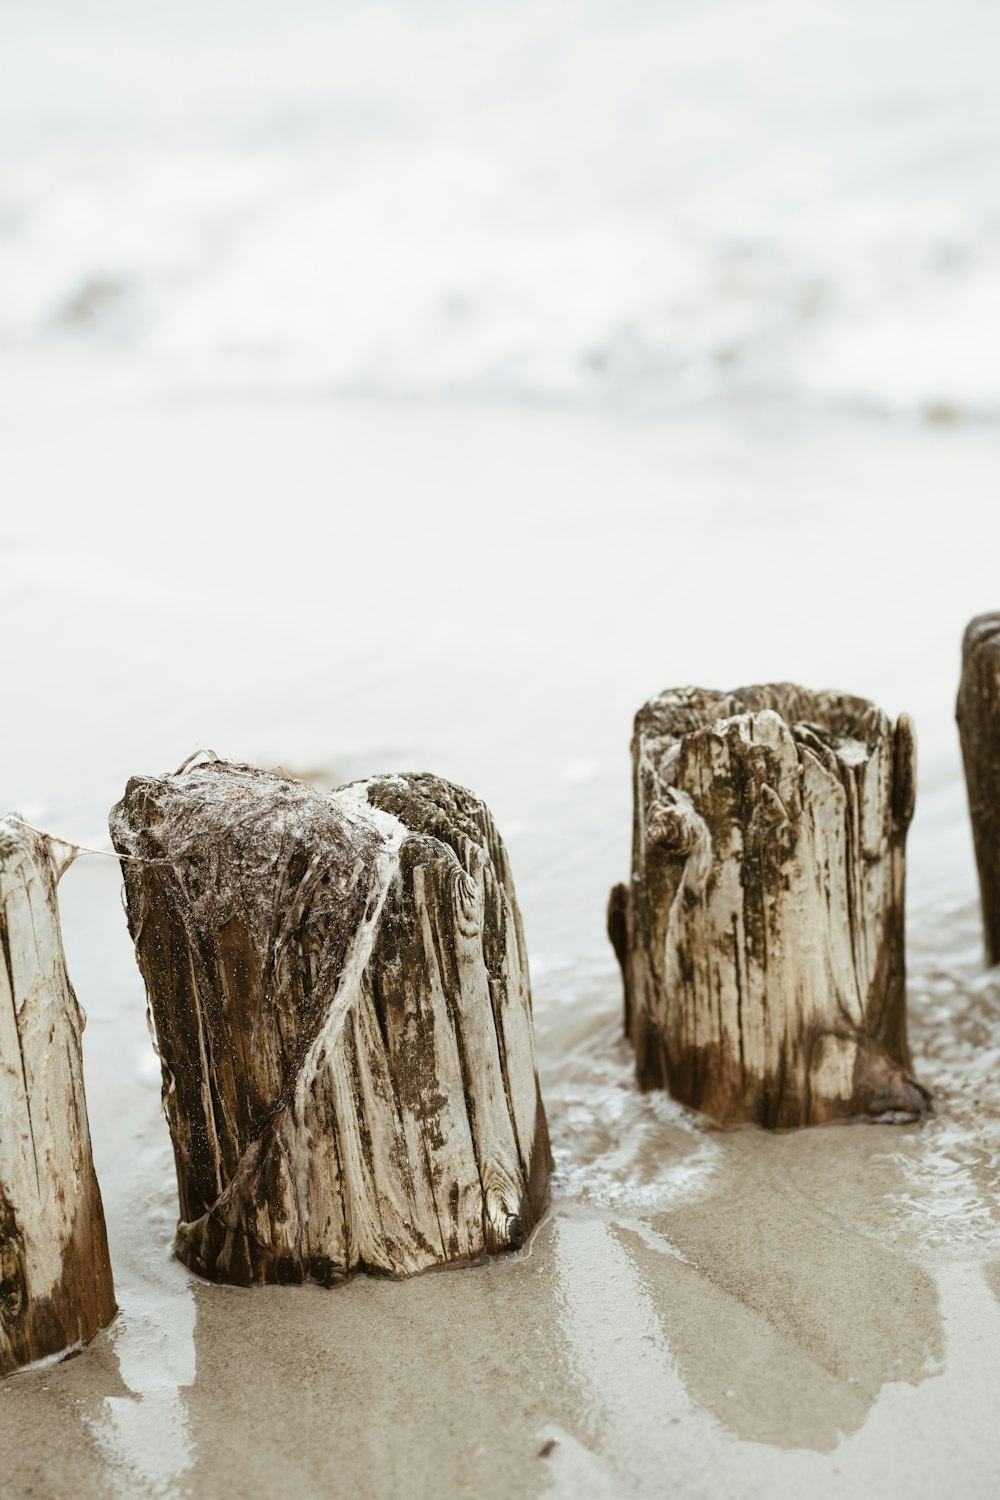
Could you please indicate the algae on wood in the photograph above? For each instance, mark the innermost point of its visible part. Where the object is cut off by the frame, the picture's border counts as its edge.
(761, 937)
(339, 990)
(979, 727)
(56, 1289)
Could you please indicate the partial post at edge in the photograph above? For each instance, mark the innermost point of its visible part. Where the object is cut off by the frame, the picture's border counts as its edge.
(56, 1289)
(978, 714)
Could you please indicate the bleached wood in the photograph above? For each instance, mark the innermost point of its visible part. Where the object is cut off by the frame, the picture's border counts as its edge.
(761, 937)
(978, 716)
(339, 990)
(55, 1274)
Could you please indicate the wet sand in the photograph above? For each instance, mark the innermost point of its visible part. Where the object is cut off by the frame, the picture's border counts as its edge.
(702, 1313)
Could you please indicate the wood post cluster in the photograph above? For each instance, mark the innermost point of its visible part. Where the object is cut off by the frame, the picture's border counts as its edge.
(339, 988)
(761, 937)
(55, 1274)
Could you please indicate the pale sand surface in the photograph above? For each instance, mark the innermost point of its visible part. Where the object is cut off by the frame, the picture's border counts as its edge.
(345, 588)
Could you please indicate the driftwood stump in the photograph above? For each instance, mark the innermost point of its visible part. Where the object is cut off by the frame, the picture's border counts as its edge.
(55, 1273)
(761, 938)
(339, 990)
(979, 727)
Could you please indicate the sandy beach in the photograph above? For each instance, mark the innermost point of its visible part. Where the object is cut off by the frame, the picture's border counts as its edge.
(729, 1313)
(422, 387)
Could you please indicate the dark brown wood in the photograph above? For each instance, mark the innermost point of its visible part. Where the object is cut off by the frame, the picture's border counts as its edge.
(978, 716)
(339, 989)
(56, 1289)
(761, 937)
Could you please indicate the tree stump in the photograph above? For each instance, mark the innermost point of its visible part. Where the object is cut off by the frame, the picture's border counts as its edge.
(761, 938)
(979, 728)
(55, 1274)
(339, 991)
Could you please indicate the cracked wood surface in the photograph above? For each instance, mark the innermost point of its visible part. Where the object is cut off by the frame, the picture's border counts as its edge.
(761, 937)
(978, 714)
(339, 991)
(56, 1289)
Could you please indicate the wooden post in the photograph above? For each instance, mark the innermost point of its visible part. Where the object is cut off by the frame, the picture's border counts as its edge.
(339, 989)
(979, 728)
(761, 938)
(55, 1274)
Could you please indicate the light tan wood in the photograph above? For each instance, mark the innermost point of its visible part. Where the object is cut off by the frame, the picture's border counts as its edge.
(339, 988)
(761, 936)
(56, 1289)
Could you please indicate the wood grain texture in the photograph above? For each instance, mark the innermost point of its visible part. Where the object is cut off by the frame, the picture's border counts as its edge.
(56, 1289)
(340, 996)
(978, 714)
(761, 937)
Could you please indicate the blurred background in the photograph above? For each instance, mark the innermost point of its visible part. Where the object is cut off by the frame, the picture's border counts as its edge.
(427, 384)
(423, 386)
(632, 207)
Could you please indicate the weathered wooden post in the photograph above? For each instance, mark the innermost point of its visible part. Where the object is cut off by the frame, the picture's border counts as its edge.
(55, 1274)
(761, 937)
(339, 990)
(978, 716)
